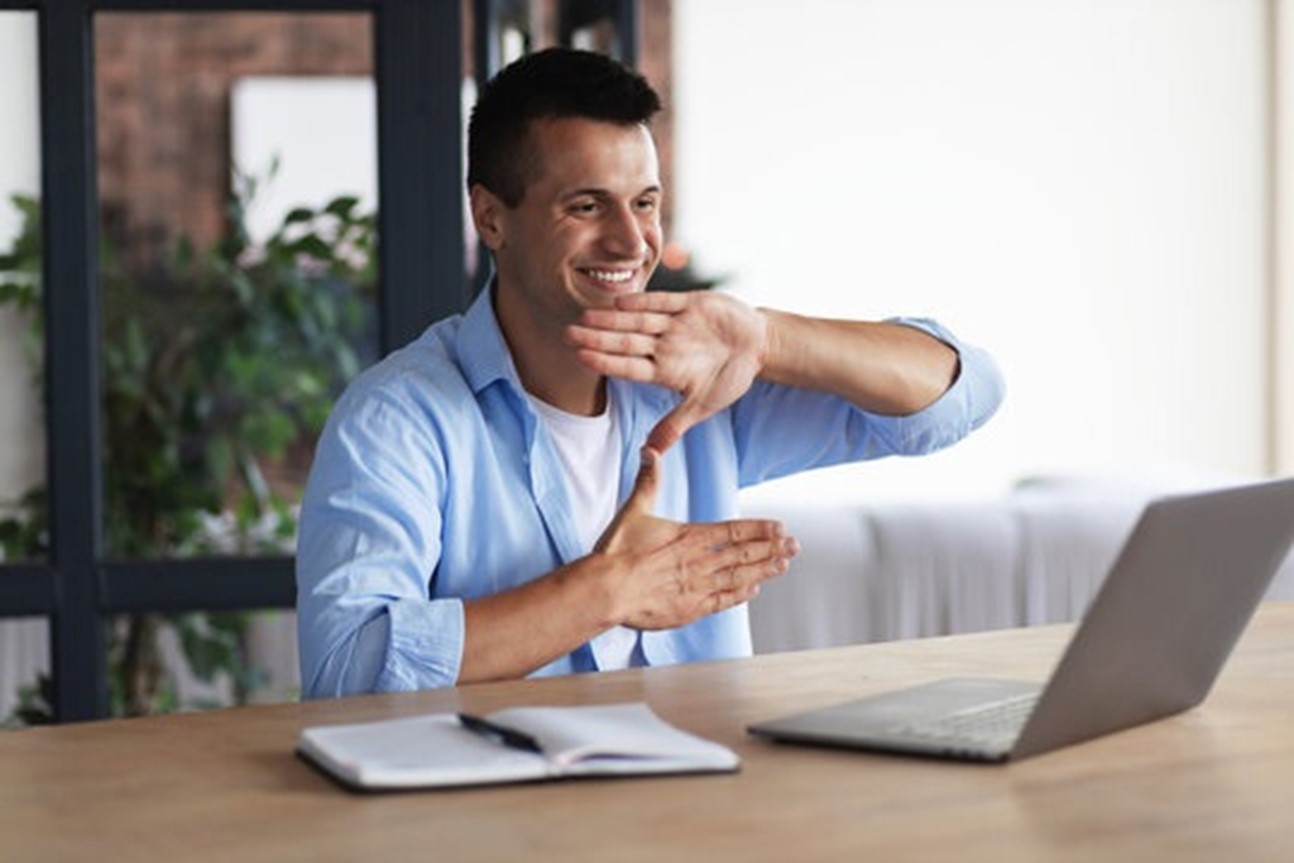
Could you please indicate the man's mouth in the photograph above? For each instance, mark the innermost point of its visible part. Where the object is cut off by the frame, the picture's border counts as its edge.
(614, 277)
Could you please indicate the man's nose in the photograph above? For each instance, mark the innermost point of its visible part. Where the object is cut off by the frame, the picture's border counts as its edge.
(626, 235)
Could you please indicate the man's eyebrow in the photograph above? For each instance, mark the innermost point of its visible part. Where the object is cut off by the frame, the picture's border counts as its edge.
(596, 192)
(588, 192)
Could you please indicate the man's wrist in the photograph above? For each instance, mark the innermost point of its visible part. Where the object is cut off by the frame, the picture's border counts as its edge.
(771, 344)
(594, 581)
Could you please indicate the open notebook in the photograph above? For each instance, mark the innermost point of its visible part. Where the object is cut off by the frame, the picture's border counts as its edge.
(519, 744)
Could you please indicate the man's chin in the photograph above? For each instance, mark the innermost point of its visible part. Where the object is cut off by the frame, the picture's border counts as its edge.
(602, 299)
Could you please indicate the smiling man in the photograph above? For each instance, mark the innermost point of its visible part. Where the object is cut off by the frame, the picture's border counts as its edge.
(548, 483)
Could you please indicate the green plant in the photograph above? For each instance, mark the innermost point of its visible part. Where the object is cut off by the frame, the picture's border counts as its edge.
(218, 368)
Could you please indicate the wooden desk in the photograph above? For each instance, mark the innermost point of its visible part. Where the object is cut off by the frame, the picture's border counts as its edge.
(1216, 783)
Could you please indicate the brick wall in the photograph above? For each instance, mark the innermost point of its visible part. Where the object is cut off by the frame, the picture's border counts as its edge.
(163, 86)
(655, 60)
(163, 89)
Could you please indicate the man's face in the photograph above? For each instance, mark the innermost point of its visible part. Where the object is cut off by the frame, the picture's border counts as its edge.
(588, 227)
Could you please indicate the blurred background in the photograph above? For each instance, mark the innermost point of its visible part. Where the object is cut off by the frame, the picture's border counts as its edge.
(1095, 190)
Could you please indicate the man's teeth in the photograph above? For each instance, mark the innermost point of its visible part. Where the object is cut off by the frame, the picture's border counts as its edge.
(612, 275)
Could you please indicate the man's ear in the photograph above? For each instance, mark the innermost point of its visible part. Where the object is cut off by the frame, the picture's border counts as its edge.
(487, 216)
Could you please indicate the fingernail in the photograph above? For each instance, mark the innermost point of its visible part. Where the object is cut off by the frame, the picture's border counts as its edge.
(792, 545)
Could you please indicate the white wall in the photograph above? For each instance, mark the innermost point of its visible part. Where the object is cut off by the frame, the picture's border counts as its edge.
(282, 117)
(1076, 184)
(1283, 322)
(21, 433)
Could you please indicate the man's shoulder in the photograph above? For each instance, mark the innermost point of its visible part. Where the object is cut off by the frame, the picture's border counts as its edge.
(425, 372)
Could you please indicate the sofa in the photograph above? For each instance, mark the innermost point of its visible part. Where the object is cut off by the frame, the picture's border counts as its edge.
(889, 570)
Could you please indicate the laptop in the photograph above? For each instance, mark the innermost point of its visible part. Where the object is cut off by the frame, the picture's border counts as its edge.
(1181, 591)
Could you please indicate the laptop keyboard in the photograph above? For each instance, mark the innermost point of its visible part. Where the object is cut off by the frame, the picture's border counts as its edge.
(992, 727)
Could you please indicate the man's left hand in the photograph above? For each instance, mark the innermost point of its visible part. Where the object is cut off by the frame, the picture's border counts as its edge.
(707, 346)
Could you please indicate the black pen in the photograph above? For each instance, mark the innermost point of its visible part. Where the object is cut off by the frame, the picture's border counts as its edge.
(509, 737)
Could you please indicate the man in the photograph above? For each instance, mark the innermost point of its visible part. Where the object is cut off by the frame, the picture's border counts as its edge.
(547, 483)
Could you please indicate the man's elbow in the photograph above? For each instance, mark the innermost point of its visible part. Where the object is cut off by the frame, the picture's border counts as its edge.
(351, 666)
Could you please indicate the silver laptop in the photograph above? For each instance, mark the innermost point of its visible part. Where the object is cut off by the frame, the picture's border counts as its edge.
(1170, 611)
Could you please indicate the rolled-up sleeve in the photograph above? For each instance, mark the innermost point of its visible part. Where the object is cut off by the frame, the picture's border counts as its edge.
(368, 545)
(782, 430)
(972, 399)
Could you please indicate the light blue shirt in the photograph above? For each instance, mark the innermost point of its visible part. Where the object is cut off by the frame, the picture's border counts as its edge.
(434, 482)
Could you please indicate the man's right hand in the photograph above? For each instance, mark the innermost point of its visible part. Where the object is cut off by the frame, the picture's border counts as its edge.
(667, 574)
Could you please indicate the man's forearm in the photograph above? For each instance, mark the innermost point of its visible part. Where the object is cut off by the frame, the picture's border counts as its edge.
(511, 634)
(884, 368)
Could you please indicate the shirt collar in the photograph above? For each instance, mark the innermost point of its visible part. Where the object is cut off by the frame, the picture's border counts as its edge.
(485, 358)
(482, 351)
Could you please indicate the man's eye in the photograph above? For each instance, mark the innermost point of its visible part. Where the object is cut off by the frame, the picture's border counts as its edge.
(584, 207)
(647, 204)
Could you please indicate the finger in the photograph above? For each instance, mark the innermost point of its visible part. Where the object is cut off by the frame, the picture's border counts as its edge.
(740, 577)
(669, 302)
(646, 486)
(664, 435)
(651, 323)
(763, 563)
(750, 553)
(726, 599)
(675, 424)
(638, 369)
(714, 536)
(607, 342)
(741, 530)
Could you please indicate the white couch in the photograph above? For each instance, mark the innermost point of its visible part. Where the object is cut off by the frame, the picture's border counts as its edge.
(877, 572)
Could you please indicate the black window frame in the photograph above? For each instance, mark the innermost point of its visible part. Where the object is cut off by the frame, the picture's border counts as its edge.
(418, 66)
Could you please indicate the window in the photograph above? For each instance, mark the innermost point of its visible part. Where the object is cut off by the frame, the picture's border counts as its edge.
(237, 189)
(24, 582)
(157, 211)
(22, 449)
(144, 556)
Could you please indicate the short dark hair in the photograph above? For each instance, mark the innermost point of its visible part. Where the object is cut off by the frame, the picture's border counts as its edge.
(550, 84)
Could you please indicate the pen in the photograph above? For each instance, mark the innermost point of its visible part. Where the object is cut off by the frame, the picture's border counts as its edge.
(509, 737)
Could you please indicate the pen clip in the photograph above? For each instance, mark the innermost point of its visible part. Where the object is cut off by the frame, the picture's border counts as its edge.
(509, 737)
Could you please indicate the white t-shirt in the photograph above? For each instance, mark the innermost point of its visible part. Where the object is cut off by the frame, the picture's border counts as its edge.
(588, 449)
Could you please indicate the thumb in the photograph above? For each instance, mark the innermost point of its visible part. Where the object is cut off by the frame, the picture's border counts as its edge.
(672, 426)
(643, 498)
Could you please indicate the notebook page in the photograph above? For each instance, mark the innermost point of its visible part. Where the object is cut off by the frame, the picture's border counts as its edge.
(623, 738)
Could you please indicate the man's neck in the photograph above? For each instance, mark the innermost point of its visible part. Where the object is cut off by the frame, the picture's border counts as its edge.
(574, 390)
(547, 365)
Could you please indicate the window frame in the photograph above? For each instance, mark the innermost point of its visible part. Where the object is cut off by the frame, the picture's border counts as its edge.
(418, 62)
(418, 70)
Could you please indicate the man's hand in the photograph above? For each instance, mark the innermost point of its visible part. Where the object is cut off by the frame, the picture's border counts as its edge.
(674, 573)
(646, 572)
(705, 345)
